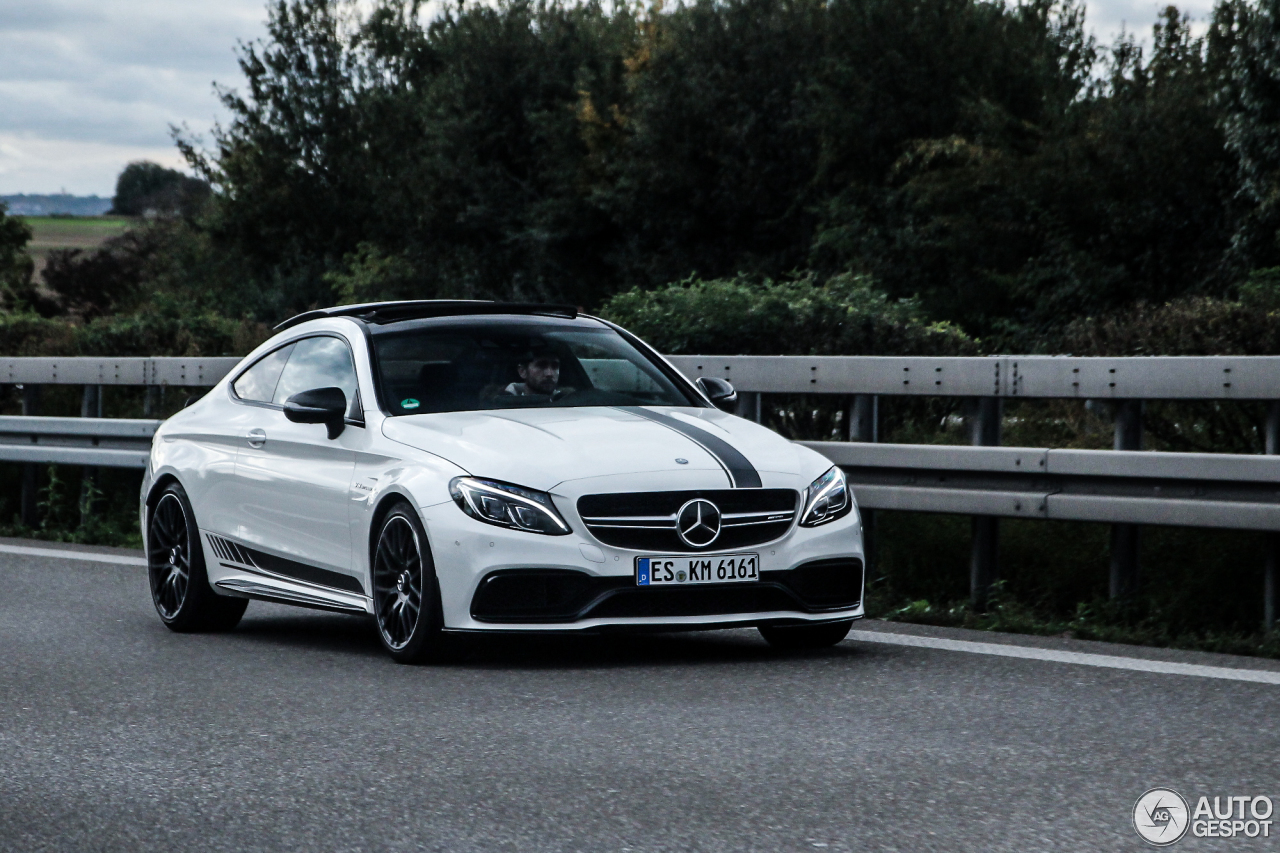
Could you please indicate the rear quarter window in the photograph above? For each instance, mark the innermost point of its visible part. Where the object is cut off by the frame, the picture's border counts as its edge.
(258, 383)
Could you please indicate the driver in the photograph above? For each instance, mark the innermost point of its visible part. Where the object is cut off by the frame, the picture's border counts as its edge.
(539, 371)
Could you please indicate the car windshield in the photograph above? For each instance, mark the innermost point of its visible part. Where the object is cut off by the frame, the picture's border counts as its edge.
(491, 363)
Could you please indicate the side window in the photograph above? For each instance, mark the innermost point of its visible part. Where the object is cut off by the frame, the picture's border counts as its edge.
(258, 383)
(319, 363)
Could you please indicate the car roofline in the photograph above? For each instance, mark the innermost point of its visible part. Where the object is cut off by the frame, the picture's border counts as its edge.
(380, 313)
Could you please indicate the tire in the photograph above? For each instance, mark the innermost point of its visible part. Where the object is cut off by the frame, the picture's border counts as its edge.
(406, 595)
(799, 637)
(179, 583)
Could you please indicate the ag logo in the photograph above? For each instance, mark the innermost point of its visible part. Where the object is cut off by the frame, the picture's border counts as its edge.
(1161, 816)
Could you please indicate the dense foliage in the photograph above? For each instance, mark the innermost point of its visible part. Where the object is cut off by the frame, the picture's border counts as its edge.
(987, 158)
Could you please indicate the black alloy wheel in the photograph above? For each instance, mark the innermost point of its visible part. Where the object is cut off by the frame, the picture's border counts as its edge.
(406, 600)
(799, 637)
(175, 567)
(169, 559)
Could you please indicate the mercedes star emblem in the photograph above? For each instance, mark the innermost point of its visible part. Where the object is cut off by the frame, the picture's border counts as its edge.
(698, 523)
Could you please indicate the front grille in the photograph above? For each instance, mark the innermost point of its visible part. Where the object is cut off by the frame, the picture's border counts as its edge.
(646, 521)
(554, 595)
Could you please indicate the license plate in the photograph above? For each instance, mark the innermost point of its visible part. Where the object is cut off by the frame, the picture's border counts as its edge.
(673, 571)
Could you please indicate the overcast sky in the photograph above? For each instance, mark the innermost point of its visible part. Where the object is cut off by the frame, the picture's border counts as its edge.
(86, 86)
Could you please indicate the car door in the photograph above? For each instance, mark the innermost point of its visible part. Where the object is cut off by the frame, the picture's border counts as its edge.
(291, 480)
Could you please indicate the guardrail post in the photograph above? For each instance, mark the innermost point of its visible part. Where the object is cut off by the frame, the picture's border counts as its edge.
(862, 418)
(748, 405)
(30, 471)
(984, 415)
(151, 401)
(1126, 538)
(90, 407)
(862, 423)
(1271, 540)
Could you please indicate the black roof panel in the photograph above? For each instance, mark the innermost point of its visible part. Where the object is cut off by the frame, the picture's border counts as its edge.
(391, 312)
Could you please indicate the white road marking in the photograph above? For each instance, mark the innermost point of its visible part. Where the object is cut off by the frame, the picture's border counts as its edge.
(72, 555)
(1081, 658)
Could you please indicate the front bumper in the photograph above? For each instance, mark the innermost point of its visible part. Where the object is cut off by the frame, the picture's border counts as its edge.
(469, 555)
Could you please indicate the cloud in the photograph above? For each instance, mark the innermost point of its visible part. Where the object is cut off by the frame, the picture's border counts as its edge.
(1108, 18)
(88, 86)
(78, 167)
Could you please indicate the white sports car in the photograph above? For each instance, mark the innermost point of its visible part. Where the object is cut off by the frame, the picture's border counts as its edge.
(453, 467)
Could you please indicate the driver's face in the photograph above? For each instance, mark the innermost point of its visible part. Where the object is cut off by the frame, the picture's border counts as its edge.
(542, 375)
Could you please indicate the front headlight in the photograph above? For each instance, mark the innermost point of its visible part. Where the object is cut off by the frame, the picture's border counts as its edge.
(826, 499)
(507, 506)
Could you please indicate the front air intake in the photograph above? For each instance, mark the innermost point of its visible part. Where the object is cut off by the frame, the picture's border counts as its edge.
(523, 596)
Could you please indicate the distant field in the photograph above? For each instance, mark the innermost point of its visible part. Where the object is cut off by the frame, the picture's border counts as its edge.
(81, 232)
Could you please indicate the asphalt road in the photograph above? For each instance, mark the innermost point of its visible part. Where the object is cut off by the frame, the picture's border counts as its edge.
(294, 732)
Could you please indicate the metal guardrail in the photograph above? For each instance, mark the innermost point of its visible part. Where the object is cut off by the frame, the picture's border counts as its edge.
(179, 372)
(98, 442)
(1141, 378)
(1126, 487)
(1128, 378)
(1114, 486)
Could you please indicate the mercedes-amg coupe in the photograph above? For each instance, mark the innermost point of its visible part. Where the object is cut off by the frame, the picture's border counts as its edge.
(463, 467)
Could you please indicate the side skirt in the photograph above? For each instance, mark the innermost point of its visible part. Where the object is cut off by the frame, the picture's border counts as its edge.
(270, 565)
(284, 581)
(262, 592)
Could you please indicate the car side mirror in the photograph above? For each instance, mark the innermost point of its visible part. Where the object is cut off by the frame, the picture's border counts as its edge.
(326, 406)
(719, 392)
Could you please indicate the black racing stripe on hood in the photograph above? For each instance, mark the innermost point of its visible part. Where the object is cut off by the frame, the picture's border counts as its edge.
(742, 473)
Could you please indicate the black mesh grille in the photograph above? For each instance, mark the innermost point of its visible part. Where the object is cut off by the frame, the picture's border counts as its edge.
(645, 521)
(535, 595)
(544, 595)
(826, 583)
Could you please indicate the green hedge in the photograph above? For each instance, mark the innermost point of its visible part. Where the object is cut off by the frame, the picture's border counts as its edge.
(1194, 326)
(843, 315)
(144, 334)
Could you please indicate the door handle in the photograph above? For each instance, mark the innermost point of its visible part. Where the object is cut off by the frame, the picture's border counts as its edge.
(257, 437)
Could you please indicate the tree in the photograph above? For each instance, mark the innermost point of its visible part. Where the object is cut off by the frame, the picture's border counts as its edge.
(144, 187)
(1094, 196)
(15, 264)
(1250, 98)
(715, 173)
(454, 148)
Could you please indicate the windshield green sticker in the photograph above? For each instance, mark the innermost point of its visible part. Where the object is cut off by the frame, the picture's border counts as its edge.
(409, 404)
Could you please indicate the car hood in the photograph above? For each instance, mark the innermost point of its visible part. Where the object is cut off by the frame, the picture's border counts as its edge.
(541, 448)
